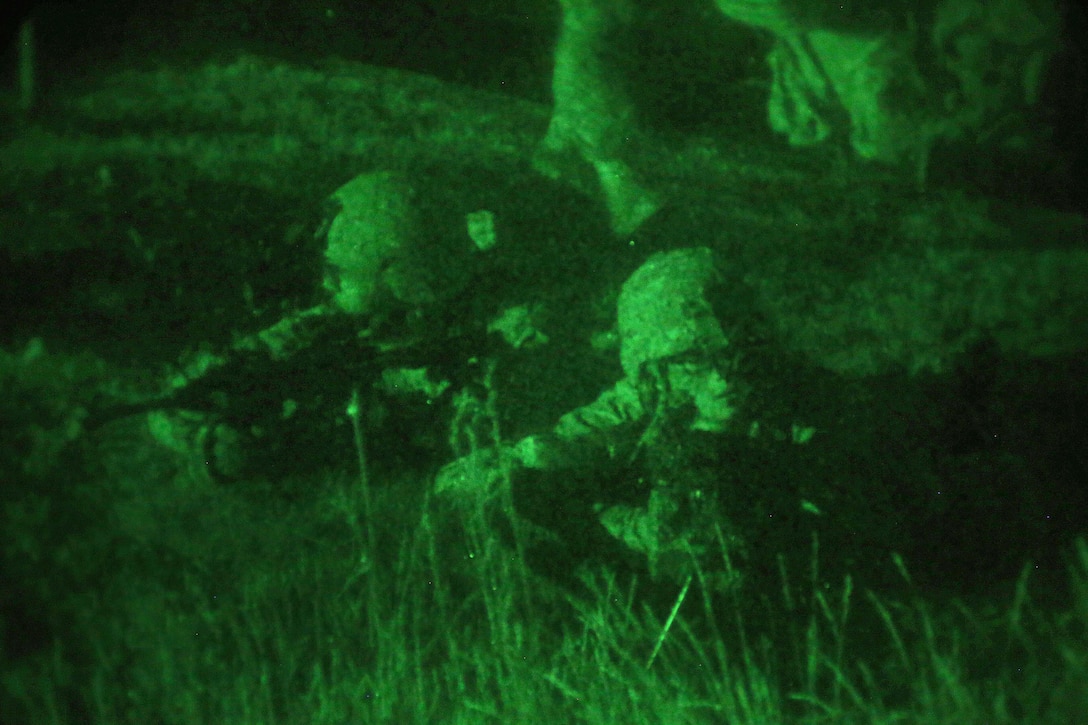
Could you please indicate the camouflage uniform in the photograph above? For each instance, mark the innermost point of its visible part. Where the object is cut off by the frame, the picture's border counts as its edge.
(899, 77)
(672, 353)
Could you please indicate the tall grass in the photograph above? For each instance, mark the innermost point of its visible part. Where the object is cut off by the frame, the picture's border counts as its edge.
(375, 603)
(446, 624)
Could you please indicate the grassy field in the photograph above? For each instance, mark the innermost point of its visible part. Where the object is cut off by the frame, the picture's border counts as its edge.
(287, 613)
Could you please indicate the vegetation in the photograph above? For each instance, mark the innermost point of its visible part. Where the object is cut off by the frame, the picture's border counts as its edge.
(228, 605)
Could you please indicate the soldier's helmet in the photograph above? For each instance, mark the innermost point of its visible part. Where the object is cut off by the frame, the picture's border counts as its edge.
(665, 312)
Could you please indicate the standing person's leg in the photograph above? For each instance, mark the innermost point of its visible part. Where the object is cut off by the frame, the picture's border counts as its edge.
(592, 118)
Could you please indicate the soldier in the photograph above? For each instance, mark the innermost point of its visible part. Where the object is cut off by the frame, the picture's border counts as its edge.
(674, 355)
(896, 80)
